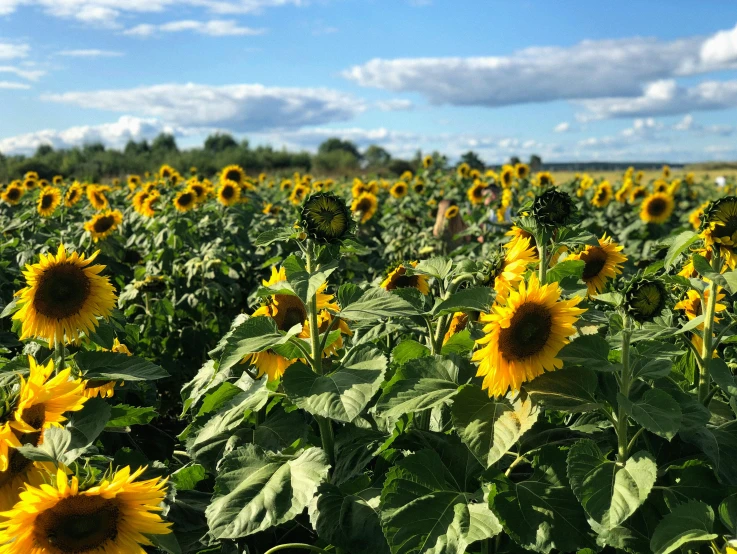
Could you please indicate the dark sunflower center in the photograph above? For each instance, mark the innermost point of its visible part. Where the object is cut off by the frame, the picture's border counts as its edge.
(198, 190)
(595, 260)
(401, 280)
(46, 201)
(17, 464)
(364, 205)
(14, 194)
(233, 175)
(290, 312)
(527, 333)
(62, 291)
(544, 180)
(35, 416)
(228, 192)
(419, 187)
(99, 198)
(186, 199)
(657, 207)
(477, 192)
(601, 195)
(78, 524)
(726, 229)
(103, 224)
(400, 190)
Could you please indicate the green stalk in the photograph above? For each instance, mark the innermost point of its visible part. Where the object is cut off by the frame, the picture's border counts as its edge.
(625, 385)
(707, 348)
(60, 353)
(543, 268)
(444, 321)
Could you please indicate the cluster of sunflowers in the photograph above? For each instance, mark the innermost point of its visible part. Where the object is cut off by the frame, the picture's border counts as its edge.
(452, 361)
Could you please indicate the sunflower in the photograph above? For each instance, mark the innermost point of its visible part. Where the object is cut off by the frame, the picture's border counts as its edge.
(365, 205)
(451, 212)
(199, 190)
(360, 187)
(324, 322)
(63, 298)
(31, 175)
(233, 173)
(298, 194)
(544, 179)
(657, 208)
(58, 180)
(326, 217)
(271, 209)
(96, 196)
(138, 199)
(167, 172)
(43, 183)
(553, 208)
(115, 516)
(602, 195)
(516, 260)
(623, 192)
(148, 208)
(103, 224)
(694, 218)
(29, 184)
(720, 228)
(286, 184)
(523, 334)
(660, 185)
(229, 193)
(638, 193)
(399, 189)
(12, 194)
(48, 201)
(185, 201)
(73, 195)
(398, 279)
(645, 299)
(666, 171)
(475, 193)
(457, 324)
(602, 263)
(419, 185)
(507, 176)
(522, 170)
(517, 235)
(474, 174)
(134, 181)
(21, 472)
(463, 170)
(693, 308)
(427, 162)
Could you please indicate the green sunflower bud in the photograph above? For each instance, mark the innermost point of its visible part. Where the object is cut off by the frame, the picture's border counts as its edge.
(645, 299)
(553, 208)
(326, 217)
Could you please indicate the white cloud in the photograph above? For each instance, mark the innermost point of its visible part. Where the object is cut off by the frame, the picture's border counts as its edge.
(395, 105)
(720, 48)
(9, 51)
(213, 28)
(562, 127)
(642, 127)
(685, 124)
(30, 74)
(238, 108)
(111, 134)
(90, 53)
(9, 85)
(688, 124)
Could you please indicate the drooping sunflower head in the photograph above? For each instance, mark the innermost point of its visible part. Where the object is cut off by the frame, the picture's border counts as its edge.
(48, 201)
(73, 195)
(233, 173)
(326, 217)
(657, 208)
(365, 205)
(602, 195)
(645, 299)
(553, 208)
(399, 189)
(114, 516)
(398, 279)
(185, 201)
(522, 170)
(103, 224)
(602, 263)
(12, 194)
(229, 193)
(544, 179)
(63, 297)
(523, 334)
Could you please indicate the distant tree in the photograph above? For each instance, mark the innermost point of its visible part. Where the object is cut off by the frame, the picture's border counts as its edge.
(398, 167)
(164, 143)
(473, 160)
(376, 156)
(44, 149)
(336, 144)
(536, 162)
(440, 161)
(514, 160)
(219, 142)
(92, 148)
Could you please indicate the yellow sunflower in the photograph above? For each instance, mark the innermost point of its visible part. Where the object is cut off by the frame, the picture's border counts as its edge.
(31, 175)
(451, 212)
(657, 208)
(398, 279)
(666, 171)
(167, 172)
(359, 187)
(427, 162)
(96, 196)
(185, 201)
(63, 298)
(457, 324)
(73, 195)
(624, 191)
(21, 472)
(419, 185)
(114, 517)
(463, 170)
(271, 209)
(148, 209)
(516, 260)
(475, 193)
(602, 195)
(544, 179)
(693, 308)
(507, 176)
(233, 173)
(134, 181)
(638, 193)
(199, 190)
(522, 170)
(602, 263)
(229, 193)
(523, 334)
(324, 321)
(365, 205)
(12, 194)
(43, 183)
(29, 184)
(399, 189)
(58, 180)
(48, 201)
(298, 194)
(694, 218)
(103, 224)
(517, 235)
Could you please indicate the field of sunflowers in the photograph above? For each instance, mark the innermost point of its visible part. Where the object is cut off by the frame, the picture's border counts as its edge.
(448, 362)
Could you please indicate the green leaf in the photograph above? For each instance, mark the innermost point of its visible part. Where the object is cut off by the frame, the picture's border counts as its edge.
(720, 446)
(609, 493)
(123, 415)
(409, 350)
(343, 394)
(186, 479)
(722, 375)
(459, 343)
(378, 303)
(87, 424)
(568, 268)
(436, 267)
(568, 390)
(680, 244)
(256, 490)
(425, 508)
(589, 351)
(55, 444)
(349, 521)
(348, 293)
(653, 359)
(656, 411)
(111, 366)
(280, 429)
(690, 522)
(167, 543)
(421, 384)
(274, 235)
(490, 428)
(474, 299)
(728, 513)
(254, 335)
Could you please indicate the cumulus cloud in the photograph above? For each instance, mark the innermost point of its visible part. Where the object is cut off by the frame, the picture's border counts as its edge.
(213, 28)
(111, 134)
(90, 53)
(9, 51)
(720, 48)
(238, 108)
(562, 127)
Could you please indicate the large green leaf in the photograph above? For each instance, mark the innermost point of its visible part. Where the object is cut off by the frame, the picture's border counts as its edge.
(421, 384)
(678, 246)
(349, 521)
(377, 303)
(112, 366)
(609, 493)
(720, 446)
(569, 390)
(253, 335)
(474, 299)
(343, 394)
(656, 411)
(567, 268)
(425, 508)
(490, 428)
(690, 522)
(723, 376)
(589, 351)
(122, 415)
(280, 429)
(255, 490)
(437, 267)
(409, 350)
(653, 359)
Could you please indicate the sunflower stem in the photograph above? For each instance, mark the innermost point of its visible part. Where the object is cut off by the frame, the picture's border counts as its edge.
(624, 389)
(707, 347)
(60, 352)
(543, 268)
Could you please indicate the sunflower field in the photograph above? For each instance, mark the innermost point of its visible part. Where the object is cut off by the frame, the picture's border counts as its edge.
(452, 361)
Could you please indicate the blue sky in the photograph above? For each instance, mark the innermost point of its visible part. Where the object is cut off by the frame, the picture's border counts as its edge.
(567, 80)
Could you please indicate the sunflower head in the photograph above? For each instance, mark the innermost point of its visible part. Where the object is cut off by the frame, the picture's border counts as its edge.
(398, 279)
(364, 205)
(48, 201)
(545, 179)
(233, 173)
(645, 299)
(522, 170)
(427, 162)
(657, 208)
(451, 212)
(399, 189)
(553, 208)
(185, 200)
(229, 193)
(12, 194)
(326, 217)
(103, 224)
